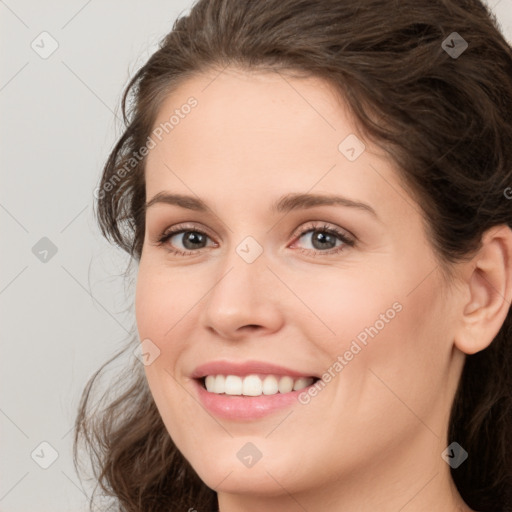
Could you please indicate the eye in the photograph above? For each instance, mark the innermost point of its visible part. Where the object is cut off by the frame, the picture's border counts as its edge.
(194, 239)
(323, 238)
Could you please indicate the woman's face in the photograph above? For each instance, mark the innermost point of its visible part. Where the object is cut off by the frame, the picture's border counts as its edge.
(370, 313)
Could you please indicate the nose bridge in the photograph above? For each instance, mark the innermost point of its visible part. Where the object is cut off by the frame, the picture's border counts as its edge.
(244, 271)
(241, 295)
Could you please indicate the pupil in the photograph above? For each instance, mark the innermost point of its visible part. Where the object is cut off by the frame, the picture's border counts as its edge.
(190, 236)
(321, 237)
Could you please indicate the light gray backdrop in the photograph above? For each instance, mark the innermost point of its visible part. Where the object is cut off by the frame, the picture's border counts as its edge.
(64, 306)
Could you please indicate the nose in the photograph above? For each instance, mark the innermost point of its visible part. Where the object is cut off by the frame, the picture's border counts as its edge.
(244, 300)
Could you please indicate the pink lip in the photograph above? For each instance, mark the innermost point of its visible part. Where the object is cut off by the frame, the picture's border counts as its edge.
(244, 407)
(245, 368)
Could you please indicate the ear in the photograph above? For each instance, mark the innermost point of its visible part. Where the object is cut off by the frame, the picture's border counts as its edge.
(488, 284)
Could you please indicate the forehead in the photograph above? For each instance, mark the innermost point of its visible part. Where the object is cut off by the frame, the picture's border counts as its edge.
(262, 135)
(257, 107)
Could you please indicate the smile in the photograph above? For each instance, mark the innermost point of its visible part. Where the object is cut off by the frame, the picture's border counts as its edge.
(254, 384)
(241, 407)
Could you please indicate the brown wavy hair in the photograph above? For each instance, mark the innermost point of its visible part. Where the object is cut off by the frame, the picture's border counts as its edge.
(446, 122)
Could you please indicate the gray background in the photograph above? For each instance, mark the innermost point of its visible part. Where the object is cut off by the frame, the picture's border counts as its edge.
(63, 317)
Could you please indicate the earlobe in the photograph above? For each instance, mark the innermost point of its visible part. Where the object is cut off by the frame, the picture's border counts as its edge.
(489, 283)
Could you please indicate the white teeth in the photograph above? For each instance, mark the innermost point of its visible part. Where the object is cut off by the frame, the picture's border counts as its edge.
(210, 382)
(232, 385)
(301, 383)
(253, 385)
(285, 385)
(218, 386)
(270, 385)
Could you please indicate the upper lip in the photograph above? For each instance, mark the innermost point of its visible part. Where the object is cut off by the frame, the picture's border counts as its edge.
(244, 368)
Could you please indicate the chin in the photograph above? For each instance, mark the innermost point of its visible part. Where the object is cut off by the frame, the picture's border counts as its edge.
(226, 477)
(224, 468)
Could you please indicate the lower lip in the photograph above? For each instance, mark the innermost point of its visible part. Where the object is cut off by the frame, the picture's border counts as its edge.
(235, 407)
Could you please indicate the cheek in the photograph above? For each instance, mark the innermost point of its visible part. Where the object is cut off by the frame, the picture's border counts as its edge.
(159, 306)
(161, 300)
(404, 349)
(383, 326)
(160, 303)
(346, 305)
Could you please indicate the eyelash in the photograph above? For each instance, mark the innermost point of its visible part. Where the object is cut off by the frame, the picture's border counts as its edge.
(347, 242)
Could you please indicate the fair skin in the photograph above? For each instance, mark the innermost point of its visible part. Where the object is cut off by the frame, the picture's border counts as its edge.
(372, 439)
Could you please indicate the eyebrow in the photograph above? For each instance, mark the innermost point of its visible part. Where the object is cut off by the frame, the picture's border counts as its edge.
(285, 204)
